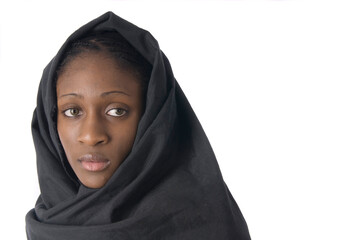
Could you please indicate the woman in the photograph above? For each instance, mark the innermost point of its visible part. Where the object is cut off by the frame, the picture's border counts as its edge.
(120, 153)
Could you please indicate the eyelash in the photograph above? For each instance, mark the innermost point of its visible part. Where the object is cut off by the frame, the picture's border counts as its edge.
(123, 112)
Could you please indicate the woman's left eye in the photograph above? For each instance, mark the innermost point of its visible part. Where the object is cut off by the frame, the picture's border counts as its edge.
(116, 112)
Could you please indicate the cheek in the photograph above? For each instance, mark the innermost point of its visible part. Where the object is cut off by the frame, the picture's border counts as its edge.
(124, 135)
(67, 134)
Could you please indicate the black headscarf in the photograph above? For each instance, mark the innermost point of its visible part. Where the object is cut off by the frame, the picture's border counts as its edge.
(168, 187)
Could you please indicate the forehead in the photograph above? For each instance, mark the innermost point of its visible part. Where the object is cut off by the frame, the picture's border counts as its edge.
(95, 72)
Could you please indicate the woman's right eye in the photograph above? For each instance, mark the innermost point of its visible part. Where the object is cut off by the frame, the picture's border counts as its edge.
(72, 112)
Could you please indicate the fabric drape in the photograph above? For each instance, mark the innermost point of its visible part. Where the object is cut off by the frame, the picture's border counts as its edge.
(168, 187)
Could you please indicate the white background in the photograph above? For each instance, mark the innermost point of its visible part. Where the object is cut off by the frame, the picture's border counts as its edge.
(275, 85)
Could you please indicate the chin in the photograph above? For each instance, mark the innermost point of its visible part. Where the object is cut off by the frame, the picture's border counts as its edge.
(94, 182)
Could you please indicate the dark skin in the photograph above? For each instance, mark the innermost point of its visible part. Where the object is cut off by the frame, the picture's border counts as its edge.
(99, 107)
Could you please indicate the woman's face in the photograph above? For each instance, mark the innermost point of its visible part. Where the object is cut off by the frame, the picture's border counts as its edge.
(99, 107)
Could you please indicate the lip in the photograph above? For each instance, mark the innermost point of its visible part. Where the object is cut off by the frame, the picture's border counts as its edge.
(94, 162)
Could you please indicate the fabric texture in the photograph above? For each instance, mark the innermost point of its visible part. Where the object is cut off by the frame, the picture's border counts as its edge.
(168, 187)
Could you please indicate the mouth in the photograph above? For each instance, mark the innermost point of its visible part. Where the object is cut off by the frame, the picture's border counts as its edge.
(94, 162)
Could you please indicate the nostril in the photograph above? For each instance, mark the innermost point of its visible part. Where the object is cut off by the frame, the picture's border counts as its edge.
(100, 142)
(92, 139)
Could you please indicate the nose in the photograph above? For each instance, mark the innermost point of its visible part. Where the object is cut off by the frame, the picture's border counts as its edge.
(93, 131)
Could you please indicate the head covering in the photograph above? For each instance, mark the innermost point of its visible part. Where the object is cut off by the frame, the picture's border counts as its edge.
(168, 187)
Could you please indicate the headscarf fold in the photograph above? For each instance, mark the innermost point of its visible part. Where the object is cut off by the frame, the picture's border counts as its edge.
(168, 187)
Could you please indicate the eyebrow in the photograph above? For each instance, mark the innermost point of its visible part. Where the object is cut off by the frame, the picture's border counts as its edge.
(104, 94)
(113, 92)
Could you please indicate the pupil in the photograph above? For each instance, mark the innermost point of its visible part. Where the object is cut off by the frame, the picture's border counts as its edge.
(121, 112)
